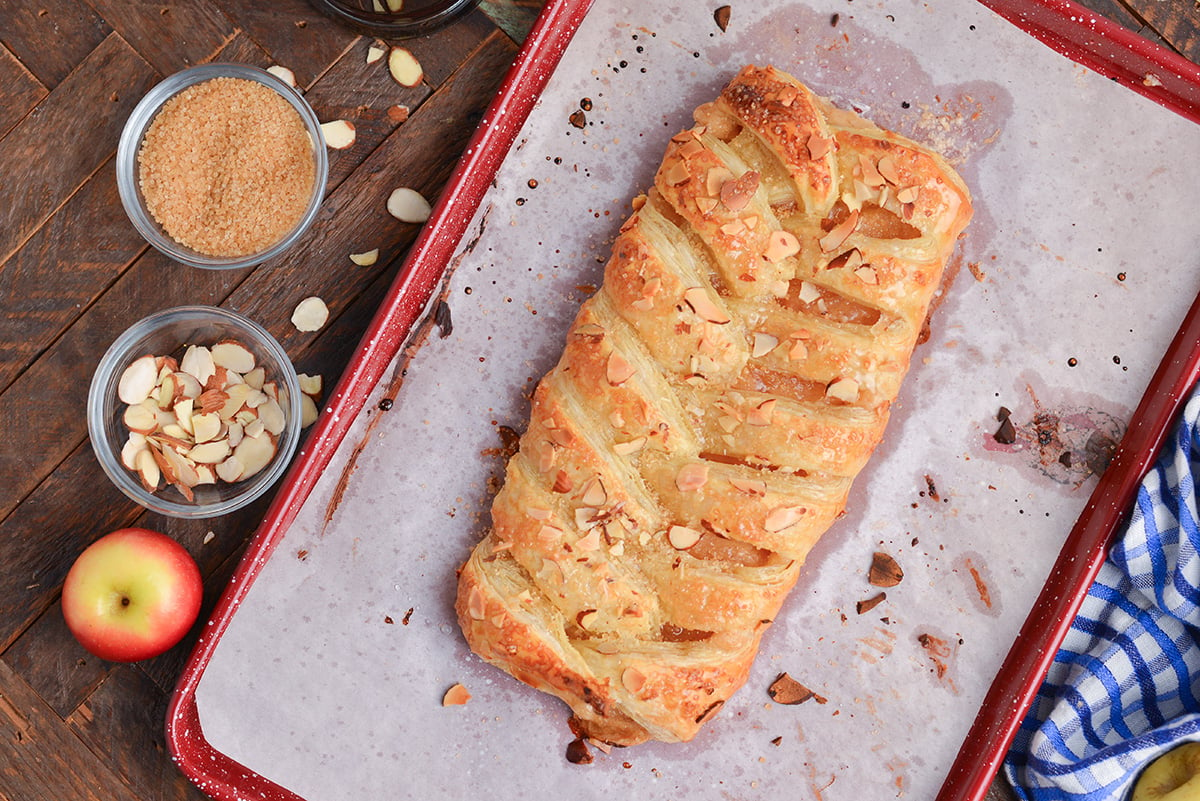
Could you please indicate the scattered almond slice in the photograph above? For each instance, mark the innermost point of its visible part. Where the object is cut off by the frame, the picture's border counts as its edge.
(456, 696)
(408, 205)
(338, 134)
(374, 53)
(284, 74)
(310, 384)
(404, 67)
(366, 258)
(310, 314)
(308, 411)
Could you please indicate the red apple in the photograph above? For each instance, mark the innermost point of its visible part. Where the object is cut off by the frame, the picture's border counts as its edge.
(131, 595)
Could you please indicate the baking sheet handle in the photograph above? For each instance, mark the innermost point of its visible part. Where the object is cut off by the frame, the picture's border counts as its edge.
(1016, 685)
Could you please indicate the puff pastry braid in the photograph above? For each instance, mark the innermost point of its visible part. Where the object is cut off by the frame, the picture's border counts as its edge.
(713, 403)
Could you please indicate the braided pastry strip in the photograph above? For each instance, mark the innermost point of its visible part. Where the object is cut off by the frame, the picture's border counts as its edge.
(713, 403)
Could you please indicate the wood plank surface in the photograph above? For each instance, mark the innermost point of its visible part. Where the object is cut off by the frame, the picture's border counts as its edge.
(74, 273)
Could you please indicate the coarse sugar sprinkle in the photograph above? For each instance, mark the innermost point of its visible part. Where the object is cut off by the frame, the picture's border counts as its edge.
(226, 167)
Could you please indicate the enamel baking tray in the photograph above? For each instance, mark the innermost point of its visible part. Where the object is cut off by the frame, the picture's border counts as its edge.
(1111, 51)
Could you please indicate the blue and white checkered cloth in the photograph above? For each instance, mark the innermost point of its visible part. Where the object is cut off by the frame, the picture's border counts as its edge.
(1125, 685)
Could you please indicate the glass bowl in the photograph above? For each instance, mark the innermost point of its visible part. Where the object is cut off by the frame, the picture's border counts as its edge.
(130, 144)
(168, 333)
(412, 18)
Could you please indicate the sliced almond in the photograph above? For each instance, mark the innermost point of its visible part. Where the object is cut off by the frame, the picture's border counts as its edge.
(197, 362)
(736, 194)
(374, 53)
(230, 470)
(137, 380)
(781, 245)
(691, 477)
(234, 432)
(783, 517)
(140, 419)
(632, 679)
(310, 314)
(256, 377)
(166, 391)
(338, 134)
(308, 411)
(809, 292)
(310, 385)
(148, 470)
(284, 74)
(762, 414)
(594, 493)
(188, 385)
(843, 389)
(630, 447)
(839, 233)
(233, 356)
(589, 543)
(697, 298)
(206, 427)
(408, 205)
(682, 537)
(404, 67)
(210, 452)
(273, 417)
(885, 570)
(818, 146)
(618, 370)
(887, 168)
(366, 258)
(750, 486)
(135, 444)
(763, 344)
(254, 453)
(456, 696)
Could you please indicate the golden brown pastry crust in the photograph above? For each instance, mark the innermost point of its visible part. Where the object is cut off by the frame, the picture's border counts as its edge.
(713, 402)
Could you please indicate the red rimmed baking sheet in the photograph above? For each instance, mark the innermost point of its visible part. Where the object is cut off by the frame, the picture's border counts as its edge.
(223, 777)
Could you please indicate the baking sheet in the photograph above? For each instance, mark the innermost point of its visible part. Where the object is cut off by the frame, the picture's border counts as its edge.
(1073, 278)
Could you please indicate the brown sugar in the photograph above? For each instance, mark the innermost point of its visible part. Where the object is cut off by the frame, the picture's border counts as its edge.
(226, 167)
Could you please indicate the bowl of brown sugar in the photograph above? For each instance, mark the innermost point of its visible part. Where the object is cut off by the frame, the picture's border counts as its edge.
(222, 166)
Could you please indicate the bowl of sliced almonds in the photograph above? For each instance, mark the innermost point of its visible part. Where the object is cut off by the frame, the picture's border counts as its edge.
(194, 411)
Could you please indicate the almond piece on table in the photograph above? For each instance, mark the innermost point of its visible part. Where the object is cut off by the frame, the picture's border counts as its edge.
(456, 696)
(885, 570)
(310, 384)
(138, 380)
(786, 690)
(404, 67)
(408, 205)
(310, 314)
(308, 411)
(374, 53)
(338, 134)
(366, 258)
(283, 74)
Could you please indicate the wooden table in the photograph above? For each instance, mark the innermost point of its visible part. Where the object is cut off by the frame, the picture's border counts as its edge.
(74, 273)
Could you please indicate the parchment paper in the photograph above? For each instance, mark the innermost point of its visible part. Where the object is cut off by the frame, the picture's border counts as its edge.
(1073, 277)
